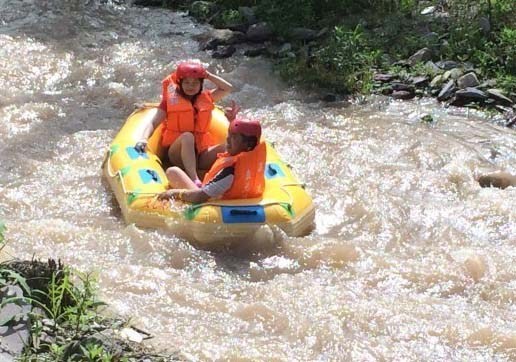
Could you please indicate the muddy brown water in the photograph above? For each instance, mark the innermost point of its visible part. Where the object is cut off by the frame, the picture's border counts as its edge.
(410, 259)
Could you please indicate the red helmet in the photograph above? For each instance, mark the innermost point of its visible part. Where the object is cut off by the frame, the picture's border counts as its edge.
(247, 127)
(190, 70)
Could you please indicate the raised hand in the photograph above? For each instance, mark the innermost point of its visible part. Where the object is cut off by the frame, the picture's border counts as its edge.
(231, 111)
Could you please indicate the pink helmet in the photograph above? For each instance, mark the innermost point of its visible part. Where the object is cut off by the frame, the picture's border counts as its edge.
(247, 127)
(190, 70)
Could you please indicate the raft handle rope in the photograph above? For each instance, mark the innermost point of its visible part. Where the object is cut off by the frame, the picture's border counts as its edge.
(290, 201)
(195, 206)
(121, 177)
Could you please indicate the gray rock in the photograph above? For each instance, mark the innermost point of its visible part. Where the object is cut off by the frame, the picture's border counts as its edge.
(419, 81)
(211, 40)
(255, 52)
(224, 52)
(432, 68)
(431, 36)
(381, 77)
(259, 32)
(386, 90)
(421, 55)
(447, 91)
(303, 34)
(227, 37)
(511, 122)
(498, 96)
(490, 83)
(323, 32)
(6, 357)
(329, 97)
(447, 64)
(468, 80)
(456, 73)
(468, 66)
(443, 16)
(285, 48)
(403, 63)
(403, 94)
(15, 331)
(428, 10)
(397, 86)
(485, 25)
(471, 94)
(438, 80)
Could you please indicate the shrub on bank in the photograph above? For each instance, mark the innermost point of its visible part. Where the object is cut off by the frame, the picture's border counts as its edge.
(344, 63)
(364, 34)
(52, 314)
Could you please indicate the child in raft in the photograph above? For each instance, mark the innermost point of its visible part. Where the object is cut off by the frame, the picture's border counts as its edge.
(186, 110)
(236, 174)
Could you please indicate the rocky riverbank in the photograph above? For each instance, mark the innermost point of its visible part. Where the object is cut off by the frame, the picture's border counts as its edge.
(46, 317)
(427, 72)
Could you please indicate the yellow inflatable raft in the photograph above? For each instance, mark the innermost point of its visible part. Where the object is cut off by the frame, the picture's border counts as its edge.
(136, 178)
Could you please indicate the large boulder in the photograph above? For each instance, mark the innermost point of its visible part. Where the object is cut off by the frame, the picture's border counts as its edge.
(218, 37)
(471, 94)
(259, 32)
(422, 55)
(468, 80)
(447, 91)
(499, 97)
(223, 52)
(501, 180)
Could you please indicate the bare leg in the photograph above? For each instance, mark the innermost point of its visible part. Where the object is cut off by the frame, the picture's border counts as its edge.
(182, 154)
(178, 179)
(208, 157)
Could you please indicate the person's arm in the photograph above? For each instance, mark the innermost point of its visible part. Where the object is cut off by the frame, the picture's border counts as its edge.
(147, 129)
(193, 196)
(152, 123)
(223, 86)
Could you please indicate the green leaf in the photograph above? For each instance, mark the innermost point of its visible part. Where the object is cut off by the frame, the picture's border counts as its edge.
(191, 212)
(114, 149)
(287, 206)
(19, 279)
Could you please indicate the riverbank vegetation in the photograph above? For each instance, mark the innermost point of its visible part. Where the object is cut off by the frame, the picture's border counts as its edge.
(49, 312)
(355, 39)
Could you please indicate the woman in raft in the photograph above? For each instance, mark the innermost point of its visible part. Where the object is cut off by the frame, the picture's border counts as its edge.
(236, 174)
(186, 109)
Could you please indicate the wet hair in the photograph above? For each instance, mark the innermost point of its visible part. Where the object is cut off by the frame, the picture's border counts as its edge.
(250, 141)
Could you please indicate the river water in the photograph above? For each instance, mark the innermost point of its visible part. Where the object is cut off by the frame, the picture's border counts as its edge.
(410, 259)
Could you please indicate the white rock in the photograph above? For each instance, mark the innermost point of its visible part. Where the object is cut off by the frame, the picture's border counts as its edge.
(131, 335)
(429, 10)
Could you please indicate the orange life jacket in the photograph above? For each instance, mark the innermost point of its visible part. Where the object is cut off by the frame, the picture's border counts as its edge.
(249, 178)
(183, 116)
